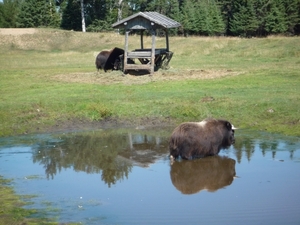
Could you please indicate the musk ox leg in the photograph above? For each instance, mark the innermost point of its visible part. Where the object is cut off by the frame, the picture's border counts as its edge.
(182, 151)
(186, 153)
(174, 153)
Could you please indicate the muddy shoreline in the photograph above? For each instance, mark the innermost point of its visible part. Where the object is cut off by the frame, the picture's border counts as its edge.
(71, 125)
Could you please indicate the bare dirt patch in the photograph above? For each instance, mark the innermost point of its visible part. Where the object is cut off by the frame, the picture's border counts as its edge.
(117, 77)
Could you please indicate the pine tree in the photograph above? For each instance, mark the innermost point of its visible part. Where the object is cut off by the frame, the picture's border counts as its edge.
(244, 21)
(38, 13)
(218, 25)
(297, 26)
(262, 9)
(71, 18)
(160, 6)
(204, 19)
(9, 10)
(292, 10)
(2, 21)
(276, 19)
(226, 13)
(173, 12)
(187, 17)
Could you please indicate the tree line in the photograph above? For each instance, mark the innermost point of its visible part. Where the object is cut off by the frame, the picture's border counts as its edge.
(244, 18)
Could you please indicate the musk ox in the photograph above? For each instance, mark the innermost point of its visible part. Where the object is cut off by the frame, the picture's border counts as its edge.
(109, 60)
(101, 60)
(199, 139)
(209, 173)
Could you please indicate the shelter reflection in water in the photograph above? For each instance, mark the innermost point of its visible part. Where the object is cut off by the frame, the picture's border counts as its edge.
(210, 173)
(109, 154)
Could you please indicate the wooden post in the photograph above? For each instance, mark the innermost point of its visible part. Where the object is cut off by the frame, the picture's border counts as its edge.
(152, 51)
(167, 39)
(126, 50)
(142, 39)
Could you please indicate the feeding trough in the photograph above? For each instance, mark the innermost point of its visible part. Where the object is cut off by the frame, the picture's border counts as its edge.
(150, 59)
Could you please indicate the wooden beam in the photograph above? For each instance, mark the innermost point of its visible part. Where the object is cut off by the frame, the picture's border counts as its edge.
(167, 39)
(139, 54)
(139, 67)
(142, 39)
(126, 50)
(152, 51)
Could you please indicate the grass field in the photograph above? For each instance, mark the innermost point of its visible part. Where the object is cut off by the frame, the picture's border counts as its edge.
(48, 77)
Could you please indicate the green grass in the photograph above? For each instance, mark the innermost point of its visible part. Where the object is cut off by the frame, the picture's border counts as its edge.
(11, 211)
(264, 96)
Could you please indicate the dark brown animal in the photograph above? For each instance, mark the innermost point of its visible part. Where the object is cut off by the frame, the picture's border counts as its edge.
(199, 139)
(109, 60)
(210, 174)
(101, 60)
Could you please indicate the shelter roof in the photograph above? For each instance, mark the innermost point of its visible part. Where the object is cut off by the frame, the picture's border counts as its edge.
(154, 17)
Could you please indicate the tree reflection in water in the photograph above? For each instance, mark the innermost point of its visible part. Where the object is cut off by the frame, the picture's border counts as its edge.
(113, 153)
(108, 153)
(249, 141)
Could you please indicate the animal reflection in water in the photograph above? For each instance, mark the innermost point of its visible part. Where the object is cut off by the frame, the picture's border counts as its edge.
(210, 173)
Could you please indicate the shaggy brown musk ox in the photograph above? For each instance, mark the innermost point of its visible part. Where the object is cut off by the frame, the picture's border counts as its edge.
(199, 139)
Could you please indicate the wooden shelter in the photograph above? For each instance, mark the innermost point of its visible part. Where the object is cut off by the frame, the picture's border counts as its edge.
(150, 59)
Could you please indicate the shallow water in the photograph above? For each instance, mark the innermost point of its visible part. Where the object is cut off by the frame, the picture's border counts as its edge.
(124, 176)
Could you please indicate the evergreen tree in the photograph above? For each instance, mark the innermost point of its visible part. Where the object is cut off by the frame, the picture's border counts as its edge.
(262, 9)
(53, 15)
(297, 26)
(38, 13)
(226, 13)
(174, 10)
(203, 21)
(207, 18)
(216, 20)
(244, 21)
(2, 20)
(199, 17)
(276, 19)
(187, 17)
(162, 6)
(9, 10)
(71, 18)
(292, 10)
(174, 13)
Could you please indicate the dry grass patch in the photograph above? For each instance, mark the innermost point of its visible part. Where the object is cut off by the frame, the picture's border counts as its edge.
(117, 77)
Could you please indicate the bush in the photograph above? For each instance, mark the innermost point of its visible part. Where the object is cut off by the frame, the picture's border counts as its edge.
(98, 26)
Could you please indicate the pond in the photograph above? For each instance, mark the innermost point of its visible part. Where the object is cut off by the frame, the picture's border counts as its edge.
(124, 176)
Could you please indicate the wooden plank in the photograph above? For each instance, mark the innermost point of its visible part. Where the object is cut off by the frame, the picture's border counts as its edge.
(157, 50)
(138, 67)
(153, 52)
(126, 49)
(139, 54)
(142, 39)
(167, 39)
